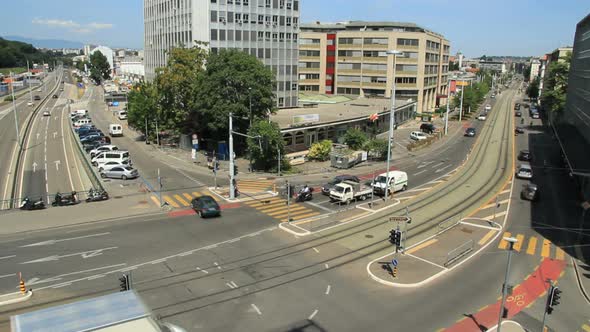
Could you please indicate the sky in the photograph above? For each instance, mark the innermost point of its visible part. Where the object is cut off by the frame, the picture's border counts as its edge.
(474, 27)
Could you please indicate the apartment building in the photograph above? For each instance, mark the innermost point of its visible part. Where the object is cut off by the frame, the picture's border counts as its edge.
(267, 29)
(350, 58)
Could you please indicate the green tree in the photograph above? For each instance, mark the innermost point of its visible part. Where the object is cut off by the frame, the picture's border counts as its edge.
(555, 85)
(453, 66)
(80, 65)
(355, 139)
(100, 69)
(264, 145)
(232, 79)
(377, 148)
(320, 151)
(142, 105)
(175, 84)
(533, 90)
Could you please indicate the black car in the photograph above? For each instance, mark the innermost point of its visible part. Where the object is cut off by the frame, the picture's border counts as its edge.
(90, 133)
(519, 130)
(54, 96)
(525, 155)
(427, 128)
(470, 132)
(518, 114)
(206, 206)
(91, 138)
(530, 192)
(338, 179)
(89, 146)
(37, 98)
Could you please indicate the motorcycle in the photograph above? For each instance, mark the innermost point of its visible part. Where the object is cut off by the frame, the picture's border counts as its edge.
(304, 196)
(29, 205)
(97, 195)
(61, 200)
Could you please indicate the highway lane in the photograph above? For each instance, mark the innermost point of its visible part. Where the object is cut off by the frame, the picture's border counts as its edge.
(9, 145)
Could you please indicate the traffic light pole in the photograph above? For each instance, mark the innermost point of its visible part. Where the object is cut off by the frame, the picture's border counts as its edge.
(511, 242)
(547, 304)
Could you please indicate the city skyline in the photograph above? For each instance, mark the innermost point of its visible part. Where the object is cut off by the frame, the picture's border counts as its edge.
(103, 23)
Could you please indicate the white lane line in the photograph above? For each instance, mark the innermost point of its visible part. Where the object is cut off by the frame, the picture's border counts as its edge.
(424, 164)
(256, 309)
(316, 250)
(419, 172)
(8, 275)
(6, 257)
(98, 276)
(204, 271)
(158, 261)
(59, 277)
(234, 240)
(62, 285)
(319, 206)
(229, 285)
(315, 312)
(442, 169)
(328, 290)
(437, 165)
(48, 242)
(326, 266)
(427, 261)
(234, 284)
(63, 140)
(218, 267)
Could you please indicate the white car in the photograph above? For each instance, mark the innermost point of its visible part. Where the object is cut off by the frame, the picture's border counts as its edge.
(488, 108)
(482, 117)
(105, 166)
(46, 113)
(418, 135)
(30, 103)
(102, 148)
(122, 115)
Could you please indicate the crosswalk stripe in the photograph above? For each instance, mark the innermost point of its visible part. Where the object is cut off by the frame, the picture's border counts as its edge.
(155, 200)
(546, 248)
(270, 201)
(519, 241)
(302, 216)
(586, 328)
(486, 237)
(188, 196)
(170, 201)
(559, 253)
(269, 206)
(285, 212)
(275, 208)
(504, 244)
(196, 194)
(181, 200)
(532, 246)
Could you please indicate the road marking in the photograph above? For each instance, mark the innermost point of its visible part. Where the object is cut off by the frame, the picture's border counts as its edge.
(326, 266)
(559, 253)
(196, 194)
(218, 267)
(316, 250)
(439, 164)
(419, 172)
(478, 226)
(421, 246)
(279, 210)
(486, 237)
(171, 202)
(84, 254)
(158, 261)
(519, 241)
(181, 200)
(229, 285)
(546, 248)
(504, 191)
(155, 200)
(427, 261)
(98, 276)
(204, 271)
(313, 314)
(494, 204)
(302, 216)
(8, 275)
(442, 169)
(424, 164)
(586, 328)
(532, 245)
(62, 285)
(48, 242)
(319, 206)
(328, 290)
(234, 284)
(503, 243)
(188, 196)
(6, 257)
(256, 309)
(284, 211)
(491, 217)
(59, 277)
(406, 197)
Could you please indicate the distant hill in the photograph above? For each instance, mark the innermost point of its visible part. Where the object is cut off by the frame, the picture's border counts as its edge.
(47, 43)
(16, 54)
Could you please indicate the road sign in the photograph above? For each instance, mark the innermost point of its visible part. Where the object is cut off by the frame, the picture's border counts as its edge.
(394, 262)
(399, 218)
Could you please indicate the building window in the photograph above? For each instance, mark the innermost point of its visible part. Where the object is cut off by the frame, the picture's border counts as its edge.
(213, 34)
(407, 42)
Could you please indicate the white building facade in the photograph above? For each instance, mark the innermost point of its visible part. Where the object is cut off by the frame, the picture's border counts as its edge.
(107, 52)
(267, 29)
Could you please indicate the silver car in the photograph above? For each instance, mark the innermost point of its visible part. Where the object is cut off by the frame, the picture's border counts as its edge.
(122, 173)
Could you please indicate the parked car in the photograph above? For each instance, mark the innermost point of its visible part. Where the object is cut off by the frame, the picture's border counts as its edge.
(427, 128)
(488, 108)
(102, 148)
(338, 179)
(519, 130)
(91, 138)
(110, 164)
(525, 155)
(30, 103)
(530, 192)
(470, 132)
(46, 113)
(481, 117)
(54, 96)
(37, 97)
(535, 115)
(89, 146)
(418, 135)
(206, 206)
(524, 171)
(122, 115)
(90, 133)
(120, 172)
(518, 114)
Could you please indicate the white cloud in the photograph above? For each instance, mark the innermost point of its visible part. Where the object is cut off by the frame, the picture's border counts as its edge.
(98, 26)
(56, 23)
(82, 30)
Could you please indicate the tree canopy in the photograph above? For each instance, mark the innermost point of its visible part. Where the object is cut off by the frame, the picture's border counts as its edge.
(533, 89)
(16, 54)
(264, 144)
(555, 84)
(100, 69)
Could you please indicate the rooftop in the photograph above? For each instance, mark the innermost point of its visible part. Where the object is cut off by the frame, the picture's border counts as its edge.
(367, 26)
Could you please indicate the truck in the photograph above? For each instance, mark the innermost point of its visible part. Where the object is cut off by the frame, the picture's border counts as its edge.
(346, 191)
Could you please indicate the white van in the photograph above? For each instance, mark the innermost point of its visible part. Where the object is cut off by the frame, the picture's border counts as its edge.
(398, 180)
(81, 112)
(115, 130)
(82, 122)
(122, 115)
(120, 156)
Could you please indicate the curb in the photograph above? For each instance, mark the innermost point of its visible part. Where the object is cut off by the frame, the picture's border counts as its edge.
(22, 298)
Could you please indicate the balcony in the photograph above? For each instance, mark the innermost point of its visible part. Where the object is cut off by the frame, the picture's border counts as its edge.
(367, 72)
(309, 46)
(344, 58)
(406, 73)
(376, 47)
(378, 85)
(309, 59)
(349, 84)
(303, 70)
(407, 47)
(348, 46)
(401, 60)
(375, 59)
(309, 82)
(405, 85)
(349, 71)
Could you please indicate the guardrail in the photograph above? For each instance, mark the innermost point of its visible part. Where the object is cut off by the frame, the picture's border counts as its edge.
(25, 133)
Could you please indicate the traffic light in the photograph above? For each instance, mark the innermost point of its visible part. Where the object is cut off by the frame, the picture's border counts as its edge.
(124, 283)
(553, 299)
(393, 236)
(398, 238)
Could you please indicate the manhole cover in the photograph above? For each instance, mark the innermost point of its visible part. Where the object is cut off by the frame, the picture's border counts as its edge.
(369, 236)
(117, 197)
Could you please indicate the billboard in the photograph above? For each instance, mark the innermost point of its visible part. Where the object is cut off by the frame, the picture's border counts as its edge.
(306, 118)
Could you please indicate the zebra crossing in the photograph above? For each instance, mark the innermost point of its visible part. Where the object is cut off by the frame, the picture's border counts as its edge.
(277, 208)
(255, 186)
(179, 200)
(533, 246)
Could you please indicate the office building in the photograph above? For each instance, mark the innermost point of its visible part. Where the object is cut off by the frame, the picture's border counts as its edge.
(493, 66)
(267, 29)
(535, 69)
(350, 58)
(546, 60)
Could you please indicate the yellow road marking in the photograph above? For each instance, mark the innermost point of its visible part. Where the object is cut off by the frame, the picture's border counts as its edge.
(181, 200)
(586, 328)
(196, 194)
(494, 204)
(504, 244)
(303, 216)
(421, 246)
(188, 196)
(559, 254)
(170, 201)
(546, 249)
(499, 214)
(284, 208)
(486, 237)
(272, 205)
(285, 212)
(270, 201)
(519, 241)
(155, 200)
(504, 191)
(532, 246)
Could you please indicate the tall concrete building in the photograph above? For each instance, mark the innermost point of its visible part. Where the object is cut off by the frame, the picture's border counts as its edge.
(535, 69)
(267, 29)
(350, 58)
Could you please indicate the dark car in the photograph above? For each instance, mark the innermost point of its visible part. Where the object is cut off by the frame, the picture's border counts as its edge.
(89, 146)
(427, 128)
(90, 133)
(516, 107)
(338, 179)
(530, 192)
(470, 132)
(37, 98)
(519, 130)
(525, 155)
(518, 114)
(54, 96)
(206, 206)
(91, 138)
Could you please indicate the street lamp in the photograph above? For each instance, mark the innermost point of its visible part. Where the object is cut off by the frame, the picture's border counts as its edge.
(511, 241)
(391, 119)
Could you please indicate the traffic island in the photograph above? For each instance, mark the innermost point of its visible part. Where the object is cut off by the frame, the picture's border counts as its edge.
(429, 259)
(17, 297)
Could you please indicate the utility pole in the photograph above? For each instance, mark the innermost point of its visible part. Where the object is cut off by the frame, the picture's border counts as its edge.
(461, 107)
(250, 118)
(231, 160)
(160, 188)
(288, 201)
(14, 108)
(448, 103)
(29, 82)
(279, 162)
(511, 241)
(394, 53)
